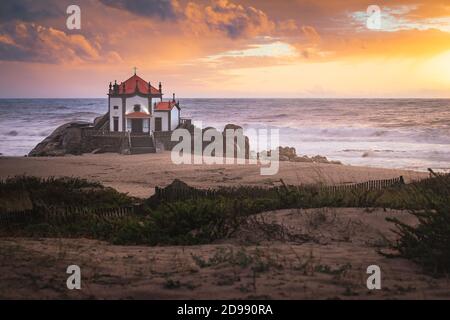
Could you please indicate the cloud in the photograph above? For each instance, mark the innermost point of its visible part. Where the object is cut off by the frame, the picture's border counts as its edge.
(310, 33)
(430, 10)
(317, 30)
(255, 55)
(401, 44)
(405, 17)
(28, 10)
(164, 9)
(233, 20)
(35, 43)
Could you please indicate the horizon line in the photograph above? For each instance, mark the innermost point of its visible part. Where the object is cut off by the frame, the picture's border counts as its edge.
(246, 98)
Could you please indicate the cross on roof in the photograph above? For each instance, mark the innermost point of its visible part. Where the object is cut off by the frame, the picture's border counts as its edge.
(135, 70)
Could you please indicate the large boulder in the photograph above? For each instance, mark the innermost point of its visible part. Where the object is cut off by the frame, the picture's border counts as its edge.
(287, 153)
(235, 145)
(102, 122)
(66, 139)
(231, 126)
(226, 146)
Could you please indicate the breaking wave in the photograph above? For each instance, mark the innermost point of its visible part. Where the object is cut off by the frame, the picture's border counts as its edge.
(397, 133)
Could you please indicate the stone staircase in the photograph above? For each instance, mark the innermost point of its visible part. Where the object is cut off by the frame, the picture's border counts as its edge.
(142, 144)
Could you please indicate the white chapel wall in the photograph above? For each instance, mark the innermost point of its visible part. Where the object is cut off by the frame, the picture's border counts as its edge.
(115, 113)
(174, 118)
(131, 101)
(164, 120)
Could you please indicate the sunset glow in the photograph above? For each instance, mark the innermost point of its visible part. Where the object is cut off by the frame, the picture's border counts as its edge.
(227, 48)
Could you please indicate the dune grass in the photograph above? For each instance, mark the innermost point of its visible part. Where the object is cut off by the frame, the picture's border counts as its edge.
(25, 192)
(428, 243)
(203, 218)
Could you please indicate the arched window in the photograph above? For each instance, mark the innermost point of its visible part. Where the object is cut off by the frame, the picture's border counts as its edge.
(137, 108)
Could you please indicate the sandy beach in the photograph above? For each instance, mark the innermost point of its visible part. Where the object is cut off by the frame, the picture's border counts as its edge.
(138, 175)
(331, 118)
(332, 265)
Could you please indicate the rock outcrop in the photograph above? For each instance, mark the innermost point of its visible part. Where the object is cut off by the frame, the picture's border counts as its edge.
(235, 146)
(69, 139)
(66, 139)
(290, 154)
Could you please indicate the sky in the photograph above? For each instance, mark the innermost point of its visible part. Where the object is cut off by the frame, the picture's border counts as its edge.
(227, 48)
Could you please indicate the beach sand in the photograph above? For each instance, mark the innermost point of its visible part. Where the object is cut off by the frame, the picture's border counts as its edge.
(315, 254)
(140, 174)
(331, 264)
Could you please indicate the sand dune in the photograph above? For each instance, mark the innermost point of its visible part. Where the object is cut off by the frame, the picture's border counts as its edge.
(309, 254)
(330, 265)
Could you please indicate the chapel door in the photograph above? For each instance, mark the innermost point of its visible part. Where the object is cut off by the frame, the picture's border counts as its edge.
(158, 124)
(136, 126)
(115, 124)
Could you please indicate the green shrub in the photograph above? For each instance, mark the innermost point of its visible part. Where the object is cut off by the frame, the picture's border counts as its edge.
(59, 192)
(206, 217)
(428, 243)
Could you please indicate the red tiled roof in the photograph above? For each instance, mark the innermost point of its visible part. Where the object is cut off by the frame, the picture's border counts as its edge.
(137, 115)
(130, 86)
(165, 106)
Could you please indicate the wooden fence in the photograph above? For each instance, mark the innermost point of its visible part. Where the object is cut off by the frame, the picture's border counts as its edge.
(63, 214)
(178, 190)
(365, 186)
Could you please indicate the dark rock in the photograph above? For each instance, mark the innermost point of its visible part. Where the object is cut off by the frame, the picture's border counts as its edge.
(290, 154)
(208, 128)
(231, 146)
(187, 125)
(102, 122)
(178, 184)
(302, 159)
(69, 139)
(12, 133)
(231, 126)
(66, 139)
(235, 145)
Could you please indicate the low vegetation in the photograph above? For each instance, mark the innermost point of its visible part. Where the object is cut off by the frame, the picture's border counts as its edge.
(197, 217)
(23, 192)
(428, 243)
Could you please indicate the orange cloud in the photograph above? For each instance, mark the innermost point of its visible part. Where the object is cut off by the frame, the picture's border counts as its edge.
(195, 43)
(231, 19)
(430, 10)
(32, 42)
(403, 43)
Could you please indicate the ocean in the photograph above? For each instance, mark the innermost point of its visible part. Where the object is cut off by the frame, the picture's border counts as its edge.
(390, 133)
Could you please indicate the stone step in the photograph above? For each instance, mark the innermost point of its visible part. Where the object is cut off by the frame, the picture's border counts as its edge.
(141, 142)
(142, 150)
